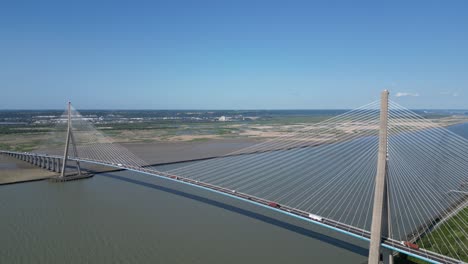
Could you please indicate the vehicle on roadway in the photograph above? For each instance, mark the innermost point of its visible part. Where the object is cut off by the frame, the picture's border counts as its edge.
(410, 245)
(275, 205)
(315, 217)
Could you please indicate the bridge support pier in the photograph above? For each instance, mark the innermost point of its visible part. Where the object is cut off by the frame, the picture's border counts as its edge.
(387, 256)
(57, 165)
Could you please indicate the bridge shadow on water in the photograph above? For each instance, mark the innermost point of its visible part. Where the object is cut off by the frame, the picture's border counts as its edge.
(266, 219)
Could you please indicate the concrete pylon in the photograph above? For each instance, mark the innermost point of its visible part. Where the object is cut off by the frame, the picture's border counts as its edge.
(67, 144)
(380, 214)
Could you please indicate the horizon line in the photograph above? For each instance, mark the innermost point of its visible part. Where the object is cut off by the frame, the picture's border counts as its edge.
(207, 109)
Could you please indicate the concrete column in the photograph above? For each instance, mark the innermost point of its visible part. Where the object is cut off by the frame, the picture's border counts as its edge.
(59, 164)
(47, 165)
(380, 190)
(54, 164)
(57, 168)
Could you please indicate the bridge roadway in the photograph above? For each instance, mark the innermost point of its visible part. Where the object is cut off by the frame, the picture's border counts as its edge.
(358, 233)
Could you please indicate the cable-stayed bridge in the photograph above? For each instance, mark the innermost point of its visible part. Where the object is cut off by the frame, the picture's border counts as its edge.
(380, 161)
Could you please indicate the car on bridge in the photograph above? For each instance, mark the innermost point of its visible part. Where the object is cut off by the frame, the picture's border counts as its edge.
(315, 217)
(275, 205)
(410, 245)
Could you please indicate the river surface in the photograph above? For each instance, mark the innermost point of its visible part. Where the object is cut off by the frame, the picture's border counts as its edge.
(125, 217)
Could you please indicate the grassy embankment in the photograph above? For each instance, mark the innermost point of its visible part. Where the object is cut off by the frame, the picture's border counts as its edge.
(447, 246)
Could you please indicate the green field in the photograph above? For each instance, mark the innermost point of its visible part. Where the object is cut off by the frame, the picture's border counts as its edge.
(441, 239)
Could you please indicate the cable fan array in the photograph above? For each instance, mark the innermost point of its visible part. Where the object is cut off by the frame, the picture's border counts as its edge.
(327, 168)
(90, 143)
(427, 176)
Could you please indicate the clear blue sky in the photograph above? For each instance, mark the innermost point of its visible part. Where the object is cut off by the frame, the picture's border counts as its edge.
(232, 54)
